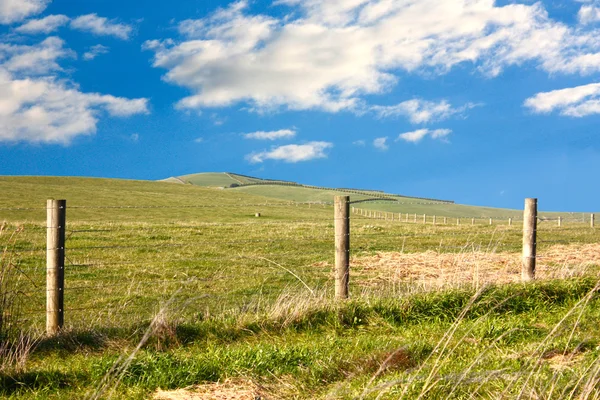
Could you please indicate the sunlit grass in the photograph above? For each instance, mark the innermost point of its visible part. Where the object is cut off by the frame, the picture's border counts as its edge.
(199, 290)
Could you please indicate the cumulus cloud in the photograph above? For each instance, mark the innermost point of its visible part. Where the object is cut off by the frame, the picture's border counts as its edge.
(101, 26)
(44, 25)
(40, 58)
(381, 143)
(292, 153)
(588, 14)
(37, 106)
(44, 110)
(419, 134)
(17, 10)
(328, 55)
(271, 135)
(420, 111)
(95, 51)
(578, 101)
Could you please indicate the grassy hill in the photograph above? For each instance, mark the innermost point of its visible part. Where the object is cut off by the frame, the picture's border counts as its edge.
(379, 201)
(93, 199)
(177, 285)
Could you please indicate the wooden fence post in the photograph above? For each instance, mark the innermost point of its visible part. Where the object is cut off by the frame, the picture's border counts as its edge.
(342, 246)
(559, 221)
(592, 217)
(415, 218)
(424, 218)
(529, 239)
(472, 221)
(55, 264)
(510, 222)
(445, 220)
(490, 221)
(457, 221)
(434, 219)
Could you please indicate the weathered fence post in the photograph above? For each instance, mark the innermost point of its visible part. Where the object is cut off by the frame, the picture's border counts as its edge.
(559, 221)
(424, 218)
(529, 239)
(457, 221)
(490, 221)
(415, 218)
(434, 219)
(55, 264)
(342, 246)
(510, 222)
(592, 217)
(472, 221)
(445, 220)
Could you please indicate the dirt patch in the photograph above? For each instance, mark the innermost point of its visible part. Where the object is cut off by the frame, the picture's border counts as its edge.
(228, 390)
(436, 270)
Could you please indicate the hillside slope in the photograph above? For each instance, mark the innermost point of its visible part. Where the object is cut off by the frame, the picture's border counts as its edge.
(367, 199)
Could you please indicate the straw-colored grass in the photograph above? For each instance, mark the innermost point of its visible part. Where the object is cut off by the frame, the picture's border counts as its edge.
(433, 270)
(230, 389)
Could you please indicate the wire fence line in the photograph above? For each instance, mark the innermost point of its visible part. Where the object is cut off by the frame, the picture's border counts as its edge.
(119, 268)
(445, 220)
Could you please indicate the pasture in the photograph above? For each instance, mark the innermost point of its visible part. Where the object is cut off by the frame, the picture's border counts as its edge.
(170, 286)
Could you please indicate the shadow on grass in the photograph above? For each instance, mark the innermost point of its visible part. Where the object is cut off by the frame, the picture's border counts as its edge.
(37, 381)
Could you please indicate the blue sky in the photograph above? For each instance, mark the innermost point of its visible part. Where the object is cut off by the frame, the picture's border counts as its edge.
(477, 101)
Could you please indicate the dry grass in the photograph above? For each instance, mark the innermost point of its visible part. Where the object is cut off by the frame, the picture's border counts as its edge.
(238, 389)
(432, 270)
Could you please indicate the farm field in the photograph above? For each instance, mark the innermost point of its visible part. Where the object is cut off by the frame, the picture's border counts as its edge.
(178, 286)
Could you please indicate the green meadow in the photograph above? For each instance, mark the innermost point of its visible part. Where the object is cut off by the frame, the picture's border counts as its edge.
(174, 285)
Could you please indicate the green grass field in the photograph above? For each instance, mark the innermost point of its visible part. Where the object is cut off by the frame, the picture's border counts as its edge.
(237, 297)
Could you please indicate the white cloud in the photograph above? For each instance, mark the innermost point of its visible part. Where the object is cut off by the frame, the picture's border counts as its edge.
(271, 135)
(421, 111)
(95, 51)
(44, 25)
(17, 10)
(135, 137)
(578, 101)
(36, 59)
(588, 14)
(292, 153)
(381, 143)
(360, 143)
(45, 110)
(330, 54)
(39, 107)
(419, 134)
(101, 26)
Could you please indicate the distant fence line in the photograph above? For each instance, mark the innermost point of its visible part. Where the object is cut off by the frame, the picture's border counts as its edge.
(375, 193)
(444, 220)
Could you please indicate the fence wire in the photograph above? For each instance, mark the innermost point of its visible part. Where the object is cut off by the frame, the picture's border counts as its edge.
(122, 270)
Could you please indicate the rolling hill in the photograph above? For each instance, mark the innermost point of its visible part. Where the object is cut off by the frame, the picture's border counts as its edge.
(366, 199)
